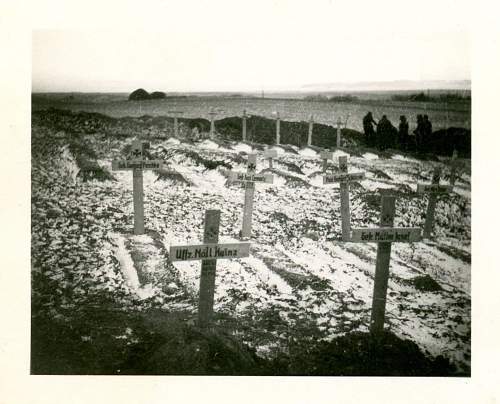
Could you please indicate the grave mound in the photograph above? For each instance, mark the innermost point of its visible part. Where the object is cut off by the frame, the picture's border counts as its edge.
(357, 354)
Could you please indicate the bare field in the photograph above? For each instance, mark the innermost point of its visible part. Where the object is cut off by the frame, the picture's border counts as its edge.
(442, 115)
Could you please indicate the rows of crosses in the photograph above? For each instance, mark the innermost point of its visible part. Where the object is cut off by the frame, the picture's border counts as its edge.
(210, 251)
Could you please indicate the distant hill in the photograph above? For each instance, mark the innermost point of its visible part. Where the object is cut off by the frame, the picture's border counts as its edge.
(390, 85)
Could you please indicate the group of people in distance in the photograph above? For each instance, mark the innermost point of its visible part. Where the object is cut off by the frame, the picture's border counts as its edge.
(387, 136)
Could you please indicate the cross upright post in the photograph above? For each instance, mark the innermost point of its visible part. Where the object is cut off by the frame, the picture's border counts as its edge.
(137, 164)
(249, 179)
(176, 123)
(344, 178)
(310, 132)
(384, 236)
(277, 128)
(208, 252)
(433, 190)
(244, 126)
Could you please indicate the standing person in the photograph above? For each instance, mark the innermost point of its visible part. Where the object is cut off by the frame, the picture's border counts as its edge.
(385, 133)
(368, 122)
(419, 134)
(403, 133)
(427, 125)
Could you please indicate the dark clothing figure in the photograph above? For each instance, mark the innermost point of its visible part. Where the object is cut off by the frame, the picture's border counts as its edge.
(404, 138)
(386, 134)
(419, 134)
(427, 127)
(368, 122)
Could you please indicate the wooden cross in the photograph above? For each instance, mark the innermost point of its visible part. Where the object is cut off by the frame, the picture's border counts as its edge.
(344, 178)
(325, 156)
(176, 123)
(310, 133)
(384, 236)
(277, 128)
(248, 180)
(244, 126)
(209, 252)
(433, 190)
(269, 154)
(137, 164)
(455, 166)
(212, 114)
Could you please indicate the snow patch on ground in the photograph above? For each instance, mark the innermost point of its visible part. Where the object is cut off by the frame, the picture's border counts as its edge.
(307, 152)
(370, 156)
(172, 141)
(242, 147)
(208, 144)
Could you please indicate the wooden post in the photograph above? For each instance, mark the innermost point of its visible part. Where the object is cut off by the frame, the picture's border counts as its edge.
(344, 200)
(344, 177)
(431, 207)
(382, 269)
(208, 267)
(137, 164)
(453, 170)
(309, 134)
(138, 193)
(384, 236)
(339, 134)
(212, 123)
(246, 231)
(248, 180)
(244, 126)
(176, 123)
(209, 252)
(269, 154)
(325, 156)
(277, 128)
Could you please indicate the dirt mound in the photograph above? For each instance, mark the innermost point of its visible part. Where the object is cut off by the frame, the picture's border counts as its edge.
(426, 284)
(358, 354)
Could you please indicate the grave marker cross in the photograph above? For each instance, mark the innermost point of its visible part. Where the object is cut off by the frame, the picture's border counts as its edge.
(208, 252)
(249, 179)
(344, 177)
(310, 132)
(269, 154)
(433, 190)
(137, 164)
(384, 236)
(176, 123)
(244, 126)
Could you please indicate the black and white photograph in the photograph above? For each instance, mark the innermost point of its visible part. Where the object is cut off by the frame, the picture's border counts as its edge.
(267, 189)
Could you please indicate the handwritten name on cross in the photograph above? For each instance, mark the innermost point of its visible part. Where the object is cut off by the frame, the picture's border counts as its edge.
(209, 252)
(176, 123)
(310, 132)
(433, 190)
(384, 236)
(248, 180)
(137, 164)
(344, 177)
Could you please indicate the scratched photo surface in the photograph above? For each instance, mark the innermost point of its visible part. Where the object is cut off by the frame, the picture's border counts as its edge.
(262, 210)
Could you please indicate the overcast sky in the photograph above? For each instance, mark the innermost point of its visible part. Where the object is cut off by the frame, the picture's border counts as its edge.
(232, 45)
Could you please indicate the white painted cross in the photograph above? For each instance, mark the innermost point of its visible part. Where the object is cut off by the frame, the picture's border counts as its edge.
(249, 179)
(137, 164)
(176, 123)
(433, 190)
(455, 166)
(344, 177)
(269, 154)
(208, 252)
(244, 126)
(310, 132)
(384, 236)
